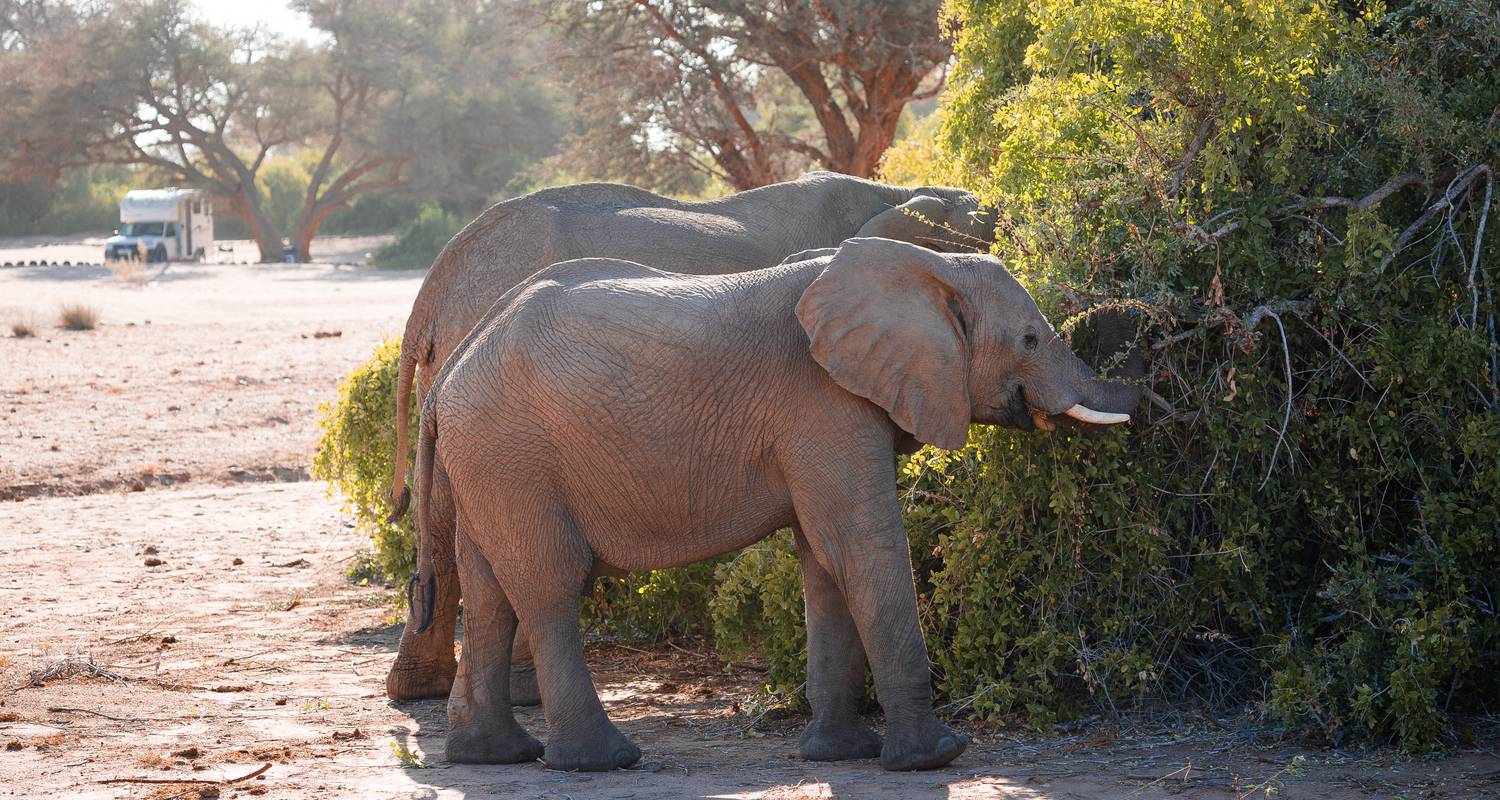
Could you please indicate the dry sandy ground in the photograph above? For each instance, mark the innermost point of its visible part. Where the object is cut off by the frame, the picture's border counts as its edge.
(203, 630)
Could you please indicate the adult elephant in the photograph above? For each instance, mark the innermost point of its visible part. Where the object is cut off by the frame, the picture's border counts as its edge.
(737, 233)
(656, 419)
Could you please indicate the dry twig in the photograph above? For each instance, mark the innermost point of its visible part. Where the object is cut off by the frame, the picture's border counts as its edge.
(218, 782)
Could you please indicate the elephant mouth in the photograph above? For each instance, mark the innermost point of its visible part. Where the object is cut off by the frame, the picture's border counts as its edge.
(1016, 413)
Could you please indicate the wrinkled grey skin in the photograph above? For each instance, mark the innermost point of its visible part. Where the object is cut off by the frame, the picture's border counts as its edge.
(606, 417)
(745, 231)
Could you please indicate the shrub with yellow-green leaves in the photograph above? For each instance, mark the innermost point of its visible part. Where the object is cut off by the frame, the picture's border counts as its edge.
(1295, 197)
(356, 456)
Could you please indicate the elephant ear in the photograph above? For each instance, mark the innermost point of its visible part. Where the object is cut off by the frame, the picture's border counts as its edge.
(914, 221)
(885, 321)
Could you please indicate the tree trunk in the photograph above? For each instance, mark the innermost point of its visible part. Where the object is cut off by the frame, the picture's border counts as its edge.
(307, 227)
(267, 237)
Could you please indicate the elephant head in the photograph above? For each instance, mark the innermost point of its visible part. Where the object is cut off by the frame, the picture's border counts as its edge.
(937, 217)
(940, 341)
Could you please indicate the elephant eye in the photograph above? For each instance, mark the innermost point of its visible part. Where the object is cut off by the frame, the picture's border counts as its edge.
(1030, 342)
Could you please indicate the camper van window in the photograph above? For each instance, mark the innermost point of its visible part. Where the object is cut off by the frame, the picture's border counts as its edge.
(141, 229)
(197, 206)
(171, 229)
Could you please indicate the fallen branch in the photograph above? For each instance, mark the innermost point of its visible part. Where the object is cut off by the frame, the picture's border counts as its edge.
(1386, 189)
(1484, 216)
(65, 710)
(1250, 321)
(1287, 420)
(1390, 187)
(1458, 187)
(201, 781)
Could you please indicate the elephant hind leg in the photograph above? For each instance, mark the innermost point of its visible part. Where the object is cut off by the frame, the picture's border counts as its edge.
(546, 563)
(482, 728)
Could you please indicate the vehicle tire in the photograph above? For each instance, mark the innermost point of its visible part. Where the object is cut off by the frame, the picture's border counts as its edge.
(159, 254)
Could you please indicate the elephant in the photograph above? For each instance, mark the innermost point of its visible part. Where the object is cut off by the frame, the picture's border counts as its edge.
(744, 231)
(607, 417)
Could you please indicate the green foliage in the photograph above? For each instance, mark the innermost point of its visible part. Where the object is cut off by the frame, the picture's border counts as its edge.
(420, 240)
(1327, 545)
(654, 605)
(757, 607)
(83, 200)
(355, 455)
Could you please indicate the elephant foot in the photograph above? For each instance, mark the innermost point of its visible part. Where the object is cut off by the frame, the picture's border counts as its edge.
(926, 745)
(418, 678)
(524, 690)
(474, 744)
(838, 741)
(606, 750)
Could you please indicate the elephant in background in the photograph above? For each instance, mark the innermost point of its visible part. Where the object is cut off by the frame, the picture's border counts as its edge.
(514, 239)
(607, 417)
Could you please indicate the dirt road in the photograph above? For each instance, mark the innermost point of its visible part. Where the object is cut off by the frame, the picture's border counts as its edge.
(174, 606)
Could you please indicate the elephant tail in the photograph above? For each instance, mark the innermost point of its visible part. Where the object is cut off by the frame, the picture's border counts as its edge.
(411, 352)
(426, 576)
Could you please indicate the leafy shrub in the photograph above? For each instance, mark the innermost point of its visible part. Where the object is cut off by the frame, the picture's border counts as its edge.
(355, 455)
(653, 605)
(1306, 515)
(420, 240)
(757, 607)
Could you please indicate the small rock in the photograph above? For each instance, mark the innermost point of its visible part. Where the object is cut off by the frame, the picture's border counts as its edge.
(154, 562)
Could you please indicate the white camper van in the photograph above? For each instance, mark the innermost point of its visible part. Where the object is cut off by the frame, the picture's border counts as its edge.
(163, 225)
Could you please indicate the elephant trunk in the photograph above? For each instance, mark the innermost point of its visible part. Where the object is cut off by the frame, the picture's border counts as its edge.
(1086, 396)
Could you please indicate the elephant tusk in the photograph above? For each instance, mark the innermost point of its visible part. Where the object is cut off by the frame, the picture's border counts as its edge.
(1083, 413)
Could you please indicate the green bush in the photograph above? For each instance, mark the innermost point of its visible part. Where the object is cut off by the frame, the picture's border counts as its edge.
(757, 607)
(1306, 514)
(652, 606)
(355, 455)
(420, 240)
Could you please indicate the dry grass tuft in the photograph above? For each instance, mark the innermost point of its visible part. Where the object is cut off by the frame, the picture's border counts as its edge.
(22, 329)
(72, 667)
(127, 270)
(78, 317)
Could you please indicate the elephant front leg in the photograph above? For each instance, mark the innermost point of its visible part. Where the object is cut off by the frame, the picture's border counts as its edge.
(859, 540)
(482, 729)
(835, 670)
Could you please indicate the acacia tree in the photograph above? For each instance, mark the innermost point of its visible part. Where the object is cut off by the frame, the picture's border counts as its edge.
(747, 91)
(144, 83)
